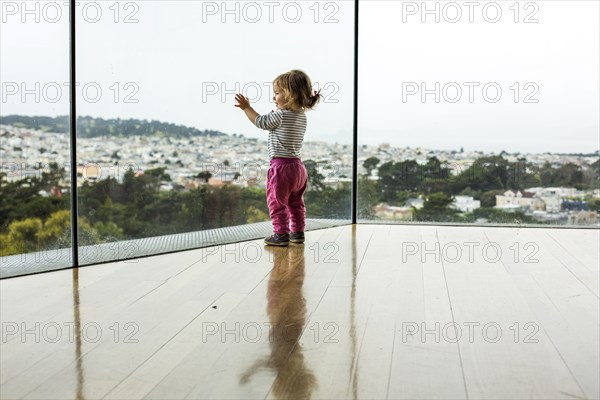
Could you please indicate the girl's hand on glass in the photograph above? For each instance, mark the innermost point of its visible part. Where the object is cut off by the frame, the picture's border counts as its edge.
(242, 101)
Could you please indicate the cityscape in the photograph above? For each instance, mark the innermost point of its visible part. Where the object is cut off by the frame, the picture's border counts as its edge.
(219, 159)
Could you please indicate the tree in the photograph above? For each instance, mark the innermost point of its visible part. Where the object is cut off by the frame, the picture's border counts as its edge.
(488, 199)
(486, 173)
(370, 164)
(328, 203)
(55, 228)
(436, 208)
(159, 174)
(315, 178)
(109, 231)
(398, 176)
(23, 235)
(253, 215)
(567, 175)
(204, 175)
(367, 198)
(591, 175)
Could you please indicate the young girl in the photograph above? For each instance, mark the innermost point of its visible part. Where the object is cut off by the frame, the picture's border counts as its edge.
(287, 176)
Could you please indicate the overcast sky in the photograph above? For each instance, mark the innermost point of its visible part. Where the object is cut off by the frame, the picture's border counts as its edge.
(497, 76)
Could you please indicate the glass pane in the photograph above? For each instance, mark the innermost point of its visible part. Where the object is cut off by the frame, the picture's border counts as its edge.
(166, 159)
(479, 113)
(34, 138)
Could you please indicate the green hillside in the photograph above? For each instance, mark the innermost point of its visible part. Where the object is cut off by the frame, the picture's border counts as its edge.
(93, 127)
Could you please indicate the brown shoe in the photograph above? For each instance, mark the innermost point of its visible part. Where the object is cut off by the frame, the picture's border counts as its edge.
(278, 239)
(297, 237)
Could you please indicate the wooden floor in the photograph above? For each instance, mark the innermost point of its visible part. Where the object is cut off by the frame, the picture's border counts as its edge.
(367, 311)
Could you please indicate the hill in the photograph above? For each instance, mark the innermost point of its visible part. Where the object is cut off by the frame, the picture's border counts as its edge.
(88, 127)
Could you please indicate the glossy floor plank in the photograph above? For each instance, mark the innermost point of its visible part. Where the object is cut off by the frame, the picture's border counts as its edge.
(424, 365)
(367, 311)
(507, 340)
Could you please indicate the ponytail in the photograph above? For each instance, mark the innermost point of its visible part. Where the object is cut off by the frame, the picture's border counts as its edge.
(314, 99)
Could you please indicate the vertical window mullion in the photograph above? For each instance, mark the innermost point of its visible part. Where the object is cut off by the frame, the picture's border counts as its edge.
(73, 135)
(355, 120)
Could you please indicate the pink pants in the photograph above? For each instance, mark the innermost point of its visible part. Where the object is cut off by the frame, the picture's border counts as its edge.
(286, 183)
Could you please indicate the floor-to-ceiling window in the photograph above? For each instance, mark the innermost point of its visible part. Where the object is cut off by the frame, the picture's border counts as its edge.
(479, 112)
(166, 160)
(34, 137)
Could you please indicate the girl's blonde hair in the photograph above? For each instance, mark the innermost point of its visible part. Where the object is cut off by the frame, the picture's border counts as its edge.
(297, 90)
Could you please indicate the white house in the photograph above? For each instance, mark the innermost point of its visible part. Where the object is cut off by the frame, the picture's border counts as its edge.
(466, 203)
(511, 200)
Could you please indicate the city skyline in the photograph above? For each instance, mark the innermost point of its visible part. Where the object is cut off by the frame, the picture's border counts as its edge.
(184, 156)
(457, 148)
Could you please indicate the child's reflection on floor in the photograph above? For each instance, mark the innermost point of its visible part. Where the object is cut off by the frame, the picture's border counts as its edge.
(286, 308)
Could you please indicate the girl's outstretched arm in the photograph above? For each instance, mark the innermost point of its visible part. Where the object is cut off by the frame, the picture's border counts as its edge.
(244, 104)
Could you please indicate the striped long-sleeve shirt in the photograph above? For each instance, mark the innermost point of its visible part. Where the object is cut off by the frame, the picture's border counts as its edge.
(286, 132)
